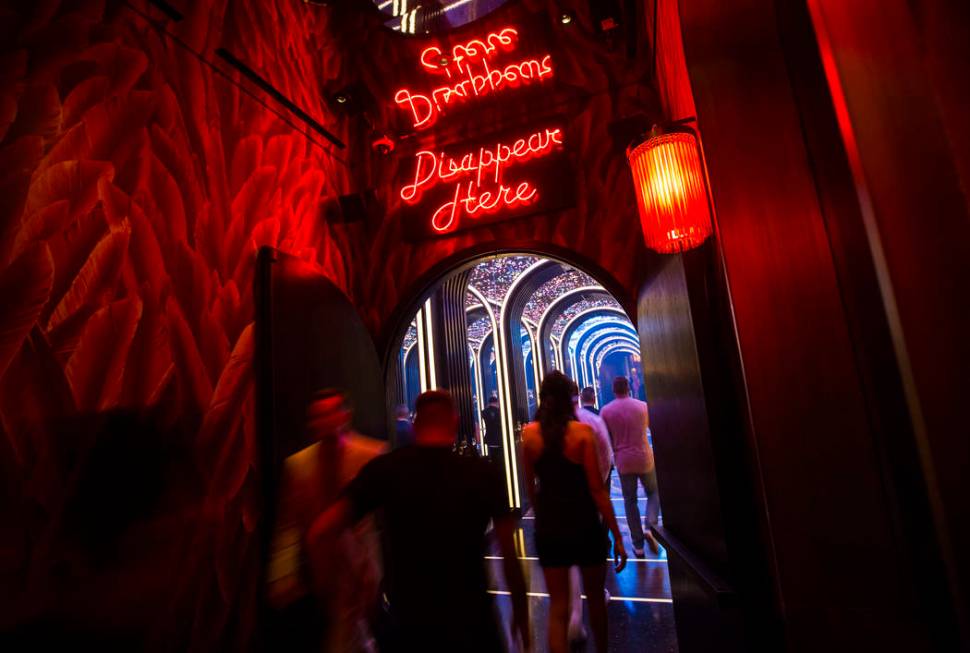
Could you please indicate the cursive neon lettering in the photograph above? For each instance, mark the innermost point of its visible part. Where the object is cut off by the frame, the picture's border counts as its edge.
(430, 169)
(469, 75)
(467, 200)
(477, 178)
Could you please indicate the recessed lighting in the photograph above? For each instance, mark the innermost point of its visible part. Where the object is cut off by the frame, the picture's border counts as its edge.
(341, 99)
(566, 18)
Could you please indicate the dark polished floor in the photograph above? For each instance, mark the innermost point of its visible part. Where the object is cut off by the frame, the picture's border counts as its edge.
(640, 608)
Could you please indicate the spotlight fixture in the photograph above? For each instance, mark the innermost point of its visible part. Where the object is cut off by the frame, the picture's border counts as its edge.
(341, 99)
(566, 18)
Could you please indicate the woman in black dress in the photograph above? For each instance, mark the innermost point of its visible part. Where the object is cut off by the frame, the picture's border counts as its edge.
(569, 500)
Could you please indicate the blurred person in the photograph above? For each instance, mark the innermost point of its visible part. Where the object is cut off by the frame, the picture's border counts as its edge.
(604, 447)
(565, 485)
(628, 420)
(124, 483)
(437, 592)
(493, 428)
(307, 588)
(403, 429)
(588, 400)
(604, 454)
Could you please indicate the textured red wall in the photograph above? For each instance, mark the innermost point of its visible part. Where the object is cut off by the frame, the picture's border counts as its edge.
(139, 177)
(137, 185)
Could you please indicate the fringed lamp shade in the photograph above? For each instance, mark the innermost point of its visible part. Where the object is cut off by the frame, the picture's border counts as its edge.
(671, 191)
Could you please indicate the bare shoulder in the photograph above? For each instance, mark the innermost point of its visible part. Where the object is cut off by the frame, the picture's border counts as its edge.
(581, 431)
(532, 437)
(531, 432)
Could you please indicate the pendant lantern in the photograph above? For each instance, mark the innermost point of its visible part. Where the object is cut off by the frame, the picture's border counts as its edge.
(675, 212)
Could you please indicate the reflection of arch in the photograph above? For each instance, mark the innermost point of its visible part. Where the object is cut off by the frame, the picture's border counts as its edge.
(404, 366)
(552, 312)
(584, 359)
(583, 341)
(508, 436)
(630, 353)
(529, 328)
(578, 319)
(411, 387)
(590, 360)
(513, 305)
(613, 348)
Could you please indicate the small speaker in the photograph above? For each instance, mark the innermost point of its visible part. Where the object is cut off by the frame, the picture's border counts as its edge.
(356, 207)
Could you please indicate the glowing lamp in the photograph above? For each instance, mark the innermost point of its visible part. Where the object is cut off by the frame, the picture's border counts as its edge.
(675, 213)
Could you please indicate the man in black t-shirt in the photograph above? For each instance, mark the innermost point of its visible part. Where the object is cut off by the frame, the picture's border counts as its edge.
(435, 507)
(493, 428)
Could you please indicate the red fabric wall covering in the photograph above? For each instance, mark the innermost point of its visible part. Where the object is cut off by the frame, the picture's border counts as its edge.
(137, 186)
(138, 183)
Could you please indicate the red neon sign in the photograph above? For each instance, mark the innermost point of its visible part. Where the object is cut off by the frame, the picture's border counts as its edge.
(478, 177)
(469, 74)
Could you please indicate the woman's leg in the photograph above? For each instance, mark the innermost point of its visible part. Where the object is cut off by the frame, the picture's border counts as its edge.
(594, 581)
(575, 630)
(557, 584)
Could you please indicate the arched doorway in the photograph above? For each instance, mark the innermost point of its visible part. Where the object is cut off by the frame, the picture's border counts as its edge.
(510, 318)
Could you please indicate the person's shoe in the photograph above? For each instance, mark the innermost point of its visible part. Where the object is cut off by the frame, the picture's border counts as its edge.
(638, 553)
(652, 543)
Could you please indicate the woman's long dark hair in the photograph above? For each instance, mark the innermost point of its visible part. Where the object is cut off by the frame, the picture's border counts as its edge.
(555, 409)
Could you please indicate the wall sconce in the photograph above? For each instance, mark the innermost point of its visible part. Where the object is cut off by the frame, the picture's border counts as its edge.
(671, 187)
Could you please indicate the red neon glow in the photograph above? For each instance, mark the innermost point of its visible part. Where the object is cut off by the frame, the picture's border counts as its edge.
(478, 178)
(431, 169)
(671, 192)
(431, 58)
(470, 75)
(444, 218)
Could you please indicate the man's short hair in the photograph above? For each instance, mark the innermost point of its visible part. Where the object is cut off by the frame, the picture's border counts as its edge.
(493, 398)
(402, 412)
(588, 395)
(433, 405)
(621, 386)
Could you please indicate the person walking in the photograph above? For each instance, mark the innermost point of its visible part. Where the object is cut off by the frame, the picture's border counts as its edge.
(628, 420)
(588, 400)
(493, 428)
(403, 429)
(571, 504)
(311, 480)
(437, 595)
(604, 446)
(604, 455)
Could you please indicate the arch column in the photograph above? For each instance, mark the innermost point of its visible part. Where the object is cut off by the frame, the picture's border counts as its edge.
(451, 353)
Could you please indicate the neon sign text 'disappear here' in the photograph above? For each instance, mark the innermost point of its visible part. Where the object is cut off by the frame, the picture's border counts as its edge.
(480, 187)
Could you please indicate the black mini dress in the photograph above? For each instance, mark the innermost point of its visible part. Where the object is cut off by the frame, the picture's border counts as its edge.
(569, 530)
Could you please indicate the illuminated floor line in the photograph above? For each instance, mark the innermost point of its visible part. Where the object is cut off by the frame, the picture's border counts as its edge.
(663, 560)
(635, 599)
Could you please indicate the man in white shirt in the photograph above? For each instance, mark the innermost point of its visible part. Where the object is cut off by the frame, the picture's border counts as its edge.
(629, 421)
(604, 448)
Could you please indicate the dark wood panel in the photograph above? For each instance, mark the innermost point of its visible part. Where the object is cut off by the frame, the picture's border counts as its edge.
(830, 516)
